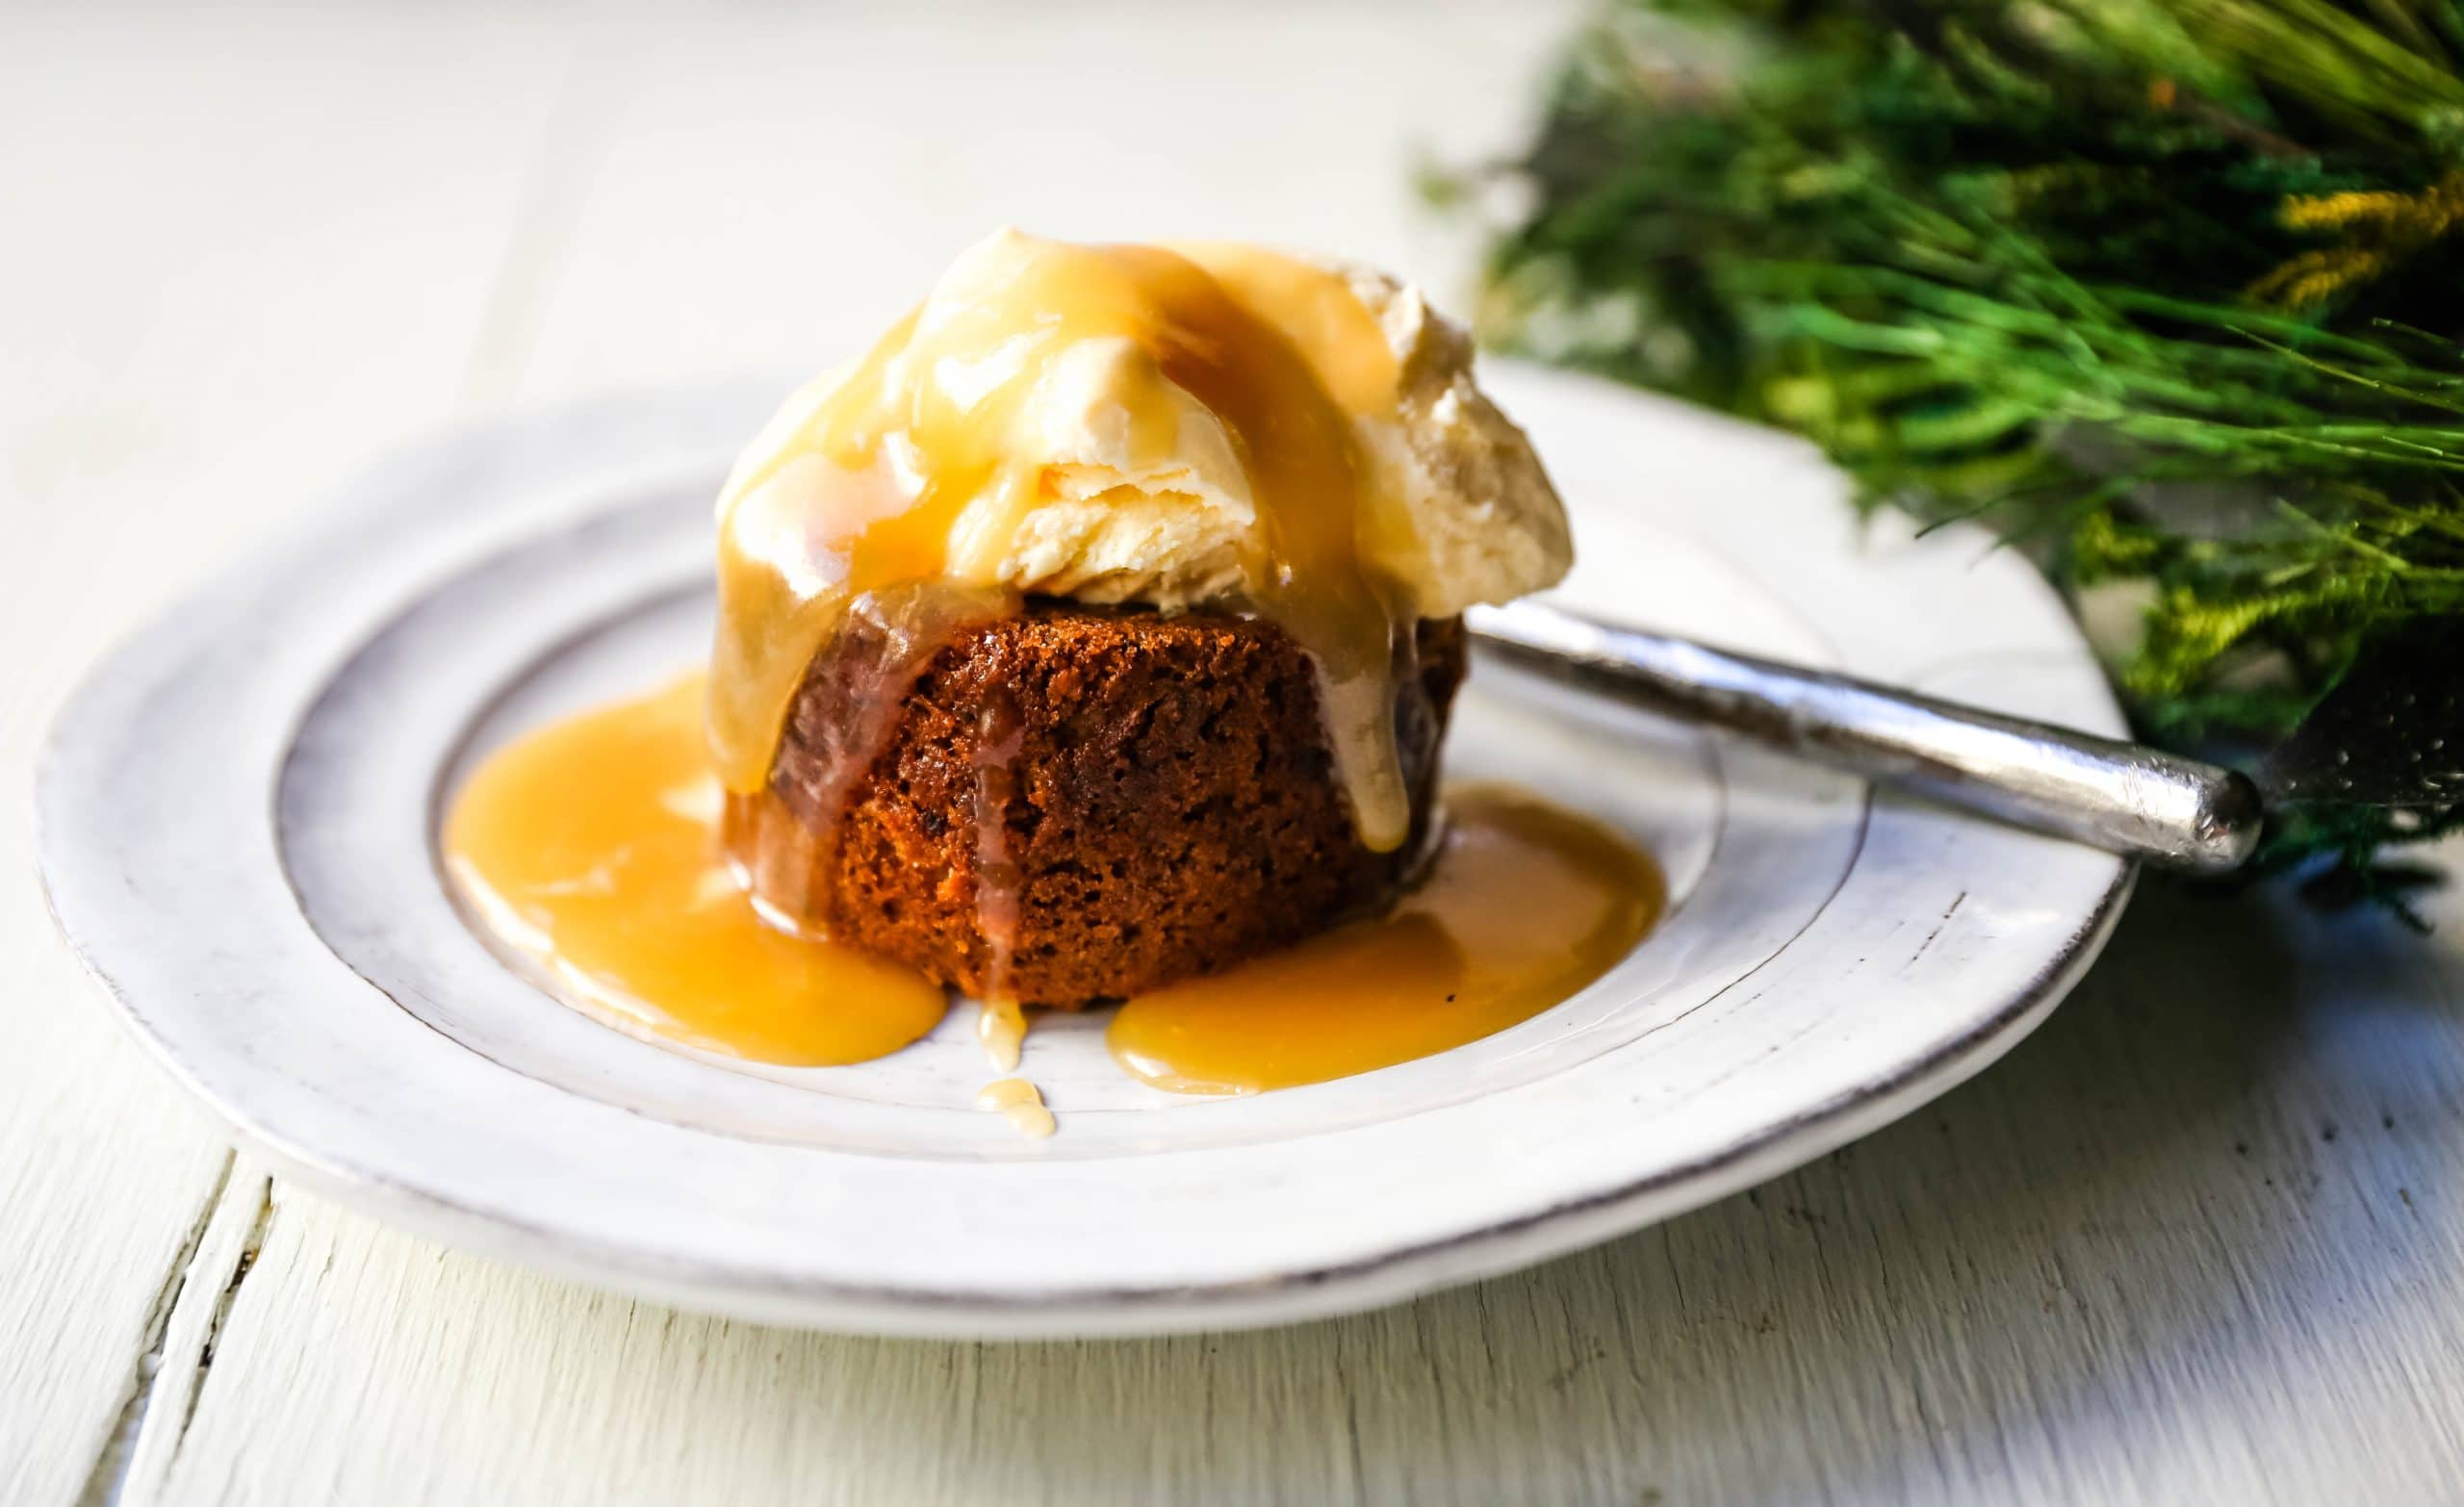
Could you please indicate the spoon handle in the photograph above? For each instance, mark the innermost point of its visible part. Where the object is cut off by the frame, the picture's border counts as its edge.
(2121, 797)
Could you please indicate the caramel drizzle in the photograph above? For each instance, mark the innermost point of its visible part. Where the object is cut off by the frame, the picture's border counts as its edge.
(588, 844)
(997, 879)
(591, 846)
(1001, 1027)
(1001, 1030)
(909, 470)
(1021, 1103)
(780, 843)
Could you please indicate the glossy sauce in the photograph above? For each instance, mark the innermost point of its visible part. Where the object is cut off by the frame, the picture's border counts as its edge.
(1021, 1103)
(1524, 904)
(779, 840)
(905, 471)
(998, 879)
(1001, 1030)
(595, 846)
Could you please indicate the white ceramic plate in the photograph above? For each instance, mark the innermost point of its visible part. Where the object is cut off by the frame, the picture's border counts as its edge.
(238, 813)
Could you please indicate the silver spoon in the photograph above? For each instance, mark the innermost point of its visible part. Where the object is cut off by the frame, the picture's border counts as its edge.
(2121, 797)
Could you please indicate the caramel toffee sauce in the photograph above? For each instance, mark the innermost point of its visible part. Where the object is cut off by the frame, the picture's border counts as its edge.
(904, 472)
(599, 846)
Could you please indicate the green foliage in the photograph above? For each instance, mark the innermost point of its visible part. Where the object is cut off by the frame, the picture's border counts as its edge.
(2164, 291)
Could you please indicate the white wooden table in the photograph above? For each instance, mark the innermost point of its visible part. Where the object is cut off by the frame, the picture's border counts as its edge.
(2202, 1238)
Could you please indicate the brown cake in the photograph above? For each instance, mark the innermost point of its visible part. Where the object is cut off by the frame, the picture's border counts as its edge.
(1080, 803)
(943, 740)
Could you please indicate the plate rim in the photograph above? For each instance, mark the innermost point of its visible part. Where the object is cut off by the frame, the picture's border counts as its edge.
(1383, 1276)
(1373, 1281)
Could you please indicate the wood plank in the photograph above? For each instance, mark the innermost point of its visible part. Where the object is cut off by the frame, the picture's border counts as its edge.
(256, 250)
(2129, 1264)
(232, 269)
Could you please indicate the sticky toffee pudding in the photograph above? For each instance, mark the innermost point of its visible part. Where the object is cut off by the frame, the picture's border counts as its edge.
(1091, 639)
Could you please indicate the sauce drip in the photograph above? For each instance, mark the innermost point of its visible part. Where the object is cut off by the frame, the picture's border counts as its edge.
(912, 468)
(1021, 1103)
(887, 640)
(593, 846)
(1523, 905)
(997, 879)
(1001, 1030)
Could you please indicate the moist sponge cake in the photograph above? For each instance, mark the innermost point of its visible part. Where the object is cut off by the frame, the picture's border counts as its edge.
(1080, 803)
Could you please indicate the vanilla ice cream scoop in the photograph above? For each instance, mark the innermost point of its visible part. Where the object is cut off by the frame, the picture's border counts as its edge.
(1203, 425)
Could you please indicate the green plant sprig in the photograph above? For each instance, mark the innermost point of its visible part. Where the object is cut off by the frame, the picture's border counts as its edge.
(2164, 291)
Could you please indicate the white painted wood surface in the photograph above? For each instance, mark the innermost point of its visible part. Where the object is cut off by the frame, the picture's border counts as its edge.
(2199, 1239)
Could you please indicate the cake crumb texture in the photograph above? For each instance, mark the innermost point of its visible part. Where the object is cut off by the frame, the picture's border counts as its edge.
(1164, 802)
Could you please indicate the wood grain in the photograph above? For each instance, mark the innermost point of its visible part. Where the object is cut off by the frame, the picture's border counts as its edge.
(2199, 1240)
(2188, 1243)
(203, 312)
